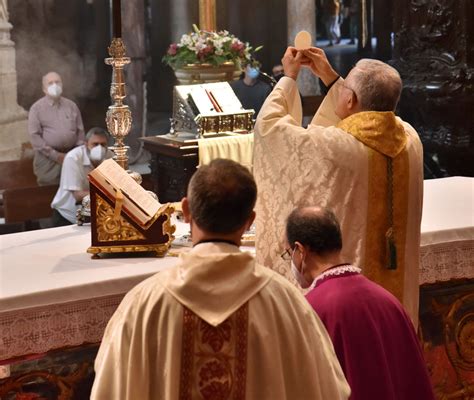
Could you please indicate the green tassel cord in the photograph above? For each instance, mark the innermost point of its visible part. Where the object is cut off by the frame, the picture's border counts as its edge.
(391, 250)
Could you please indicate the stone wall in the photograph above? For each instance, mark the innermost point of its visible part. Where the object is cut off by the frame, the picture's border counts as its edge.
(13, 119)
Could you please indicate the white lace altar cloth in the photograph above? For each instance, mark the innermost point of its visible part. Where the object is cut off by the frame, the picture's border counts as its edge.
(40, 329)
(52, 295)
(447, 230)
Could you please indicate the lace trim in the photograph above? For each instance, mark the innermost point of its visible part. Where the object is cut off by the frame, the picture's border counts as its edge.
(446, 261)
(343, 269)
(41, 329)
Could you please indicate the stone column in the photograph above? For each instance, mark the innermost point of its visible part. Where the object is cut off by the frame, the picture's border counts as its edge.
(183, 16)
(301, 15)
(13, 118)
(133, 34)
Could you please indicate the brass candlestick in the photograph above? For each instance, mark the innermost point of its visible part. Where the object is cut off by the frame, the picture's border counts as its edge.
(119, 117)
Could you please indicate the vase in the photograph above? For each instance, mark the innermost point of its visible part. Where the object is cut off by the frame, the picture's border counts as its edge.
(205, 73)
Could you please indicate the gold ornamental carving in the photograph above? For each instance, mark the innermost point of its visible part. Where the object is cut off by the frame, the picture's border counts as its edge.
(110, 229)
(459, 328)
(66, 385)
(118, 117)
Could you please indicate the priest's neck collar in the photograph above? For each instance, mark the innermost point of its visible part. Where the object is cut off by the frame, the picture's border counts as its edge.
(216, 241)
(335, 270)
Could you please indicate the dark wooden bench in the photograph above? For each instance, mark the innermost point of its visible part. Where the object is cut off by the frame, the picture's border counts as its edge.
(22, 200)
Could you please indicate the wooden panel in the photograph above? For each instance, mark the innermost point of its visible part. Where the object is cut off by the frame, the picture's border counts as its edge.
(24, 204)
(17, 174)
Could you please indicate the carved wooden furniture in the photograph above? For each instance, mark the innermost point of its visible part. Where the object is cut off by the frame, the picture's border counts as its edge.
(434, 54)
(173, 163)
(122, 234)
(22, 200)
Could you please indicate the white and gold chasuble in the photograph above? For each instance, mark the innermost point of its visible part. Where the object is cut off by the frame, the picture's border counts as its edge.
(341, 165)
(217, 326)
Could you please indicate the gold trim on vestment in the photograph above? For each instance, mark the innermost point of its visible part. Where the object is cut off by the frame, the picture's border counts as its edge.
(385, 138)
(214, 358)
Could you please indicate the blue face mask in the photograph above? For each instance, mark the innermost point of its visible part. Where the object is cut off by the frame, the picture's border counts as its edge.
(253, 73)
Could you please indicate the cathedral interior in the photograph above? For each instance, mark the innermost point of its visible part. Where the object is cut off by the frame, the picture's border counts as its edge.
(429, 42)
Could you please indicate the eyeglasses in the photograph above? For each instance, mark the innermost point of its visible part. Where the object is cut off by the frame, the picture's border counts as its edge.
(286, 255)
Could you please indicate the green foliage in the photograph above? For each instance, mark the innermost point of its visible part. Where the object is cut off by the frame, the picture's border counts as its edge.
(213, 48)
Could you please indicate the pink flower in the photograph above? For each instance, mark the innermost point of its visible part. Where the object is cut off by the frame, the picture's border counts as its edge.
(205, 51)
(237, 46)
(173, 49)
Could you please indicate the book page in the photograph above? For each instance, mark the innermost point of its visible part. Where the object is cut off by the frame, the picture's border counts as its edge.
(210, 98)
(225, 97)
(202, 100)
(118, 178)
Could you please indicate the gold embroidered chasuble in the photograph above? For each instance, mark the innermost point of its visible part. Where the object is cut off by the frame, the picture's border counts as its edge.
(216, 326)
(325, 164)
(385, 137)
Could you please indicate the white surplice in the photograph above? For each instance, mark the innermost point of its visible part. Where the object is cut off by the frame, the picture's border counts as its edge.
(325, 166)
(217, 326)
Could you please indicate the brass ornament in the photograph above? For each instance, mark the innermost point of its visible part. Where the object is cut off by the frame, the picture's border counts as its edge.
(110, 229)
(168, 228)
(117, 48)
(159, 249)
(118, 117)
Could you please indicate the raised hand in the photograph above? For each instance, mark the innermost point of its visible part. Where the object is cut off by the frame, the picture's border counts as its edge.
(319, 64)
(292, 61)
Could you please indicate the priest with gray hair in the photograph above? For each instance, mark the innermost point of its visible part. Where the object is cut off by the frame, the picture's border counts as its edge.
(356, 157)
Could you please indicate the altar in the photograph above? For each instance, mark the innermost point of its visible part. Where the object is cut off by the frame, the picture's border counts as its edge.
(55, 301)
(174, 159)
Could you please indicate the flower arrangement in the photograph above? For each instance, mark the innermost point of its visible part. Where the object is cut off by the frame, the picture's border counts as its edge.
(204, 47)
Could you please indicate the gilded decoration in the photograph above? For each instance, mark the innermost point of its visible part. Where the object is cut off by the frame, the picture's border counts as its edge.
(25, 386)
(447, 333)
(214, 358)
(460, 330)
(118, 117)
(111, 229)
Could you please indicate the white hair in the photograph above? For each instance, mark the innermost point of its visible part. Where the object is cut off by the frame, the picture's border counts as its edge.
(378, 86)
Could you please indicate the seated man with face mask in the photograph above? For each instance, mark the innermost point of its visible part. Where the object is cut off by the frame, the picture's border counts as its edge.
(74, 185)
(372, 334)
(250, 90)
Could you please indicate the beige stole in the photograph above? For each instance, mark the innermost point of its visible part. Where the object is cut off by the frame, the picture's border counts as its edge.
(387, 209)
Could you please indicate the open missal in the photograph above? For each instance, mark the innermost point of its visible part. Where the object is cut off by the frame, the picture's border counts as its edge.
(211, 98)
(111, 178)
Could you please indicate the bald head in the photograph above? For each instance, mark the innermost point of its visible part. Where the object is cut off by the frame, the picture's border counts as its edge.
(316, 228)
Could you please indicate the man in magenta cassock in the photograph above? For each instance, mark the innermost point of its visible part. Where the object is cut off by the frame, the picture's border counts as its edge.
(373, 337)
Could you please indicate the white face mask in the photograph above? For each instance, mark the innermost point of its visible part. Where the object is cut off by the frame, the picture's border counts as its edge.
(55, 90)
(298, 275)
(97, 153)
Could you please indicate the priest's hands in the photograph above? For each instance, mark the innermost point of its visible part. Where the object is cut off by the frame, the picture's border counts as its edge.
(313, 58)
(292, 61)
(319, 65)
